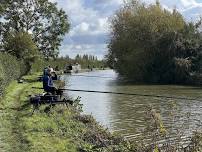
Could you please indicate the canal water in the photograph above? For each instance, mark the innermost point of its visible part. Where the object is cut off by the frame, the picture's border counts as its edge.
(126, 115)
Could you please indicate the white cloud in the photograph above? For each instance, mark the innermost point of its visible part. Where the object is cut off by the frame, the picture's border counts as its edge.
(81, 28)
(95, 27)
(109, 1)
(86, 22)
(167, 8)
(188, 3)
(72, 50)
(89, 22)
(77, 11)
(103, 23)
(191, 9)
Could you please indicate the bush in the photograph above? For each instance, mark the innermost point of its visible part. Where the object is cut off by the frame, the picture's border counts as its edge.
(10, 69)
(22, 46)
(153, 45)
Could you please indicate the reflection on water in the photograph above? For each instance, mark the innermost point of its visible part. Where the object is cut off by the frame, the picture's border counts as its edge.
(126, 114)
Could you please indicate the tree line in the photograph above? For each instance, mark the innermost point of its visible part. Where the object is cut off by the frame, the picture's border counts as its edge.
(86, 57)
(31, 28)
(86, 61)
(89, 61)
(154, 45)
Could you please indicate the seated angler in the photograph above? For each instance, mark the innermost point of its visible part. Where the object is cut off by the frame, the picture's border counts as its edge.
(48, 82)
(54, 75)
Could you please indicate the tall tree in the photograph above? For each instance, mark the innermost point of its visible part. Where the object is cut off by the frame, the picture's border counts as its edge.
(41, 18)
(152, 44)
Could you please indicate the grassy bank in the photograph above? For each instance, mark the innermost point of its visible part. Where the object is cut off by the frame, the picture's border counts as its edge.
(50, 129)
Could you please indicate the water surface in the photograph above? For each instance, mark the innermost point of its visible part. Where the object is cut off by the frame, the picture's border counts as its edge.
(126, 114)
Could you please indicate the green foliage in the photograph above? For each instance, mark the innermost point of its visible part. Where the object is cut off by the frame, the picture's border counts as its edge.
(61, 62)
(162, 136)
(10, 69)
(2, 76)
(88, 61)
(66, 129)
(42, 18)
(21, 45)
(196, 142)
(40, 64)
(2, 6)
(152, 44)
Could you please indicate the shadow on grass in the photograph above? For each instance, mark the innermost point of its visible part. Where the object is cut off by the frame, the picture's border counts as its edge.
(32, 80)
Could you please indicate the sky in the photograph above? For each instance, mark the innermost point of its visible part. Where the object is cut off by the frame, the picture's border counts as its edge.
(90, 27)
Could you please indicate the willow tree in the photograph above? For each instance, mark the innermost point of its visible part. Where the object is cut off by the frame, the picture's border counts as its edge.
(41, 18)
(148, 43)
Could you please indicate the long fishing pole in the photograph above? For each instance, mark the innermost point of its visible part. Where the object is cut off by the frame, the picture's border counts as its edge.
(128, 94)
(91, 76)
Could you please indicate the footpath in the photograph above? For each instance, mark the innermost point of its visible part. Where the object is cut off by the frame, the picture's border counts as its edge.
(10, 133)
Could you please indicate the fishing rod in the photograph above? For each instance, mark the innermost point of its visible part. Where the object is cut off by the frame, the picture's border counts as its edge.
(91, 76)
(128, 94)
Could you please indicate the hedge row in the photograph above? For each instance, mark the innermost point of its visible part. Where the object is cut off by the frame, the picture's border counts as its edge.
(40, 64)
(10, 69)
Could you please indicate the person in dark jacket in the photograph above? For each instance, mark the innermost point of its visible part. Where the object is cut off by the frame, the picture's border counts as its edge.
(48, 82)
(54, 75)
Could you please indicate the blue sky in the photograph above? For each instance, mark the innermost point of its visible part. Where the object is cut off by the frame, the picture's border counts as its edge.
(90, 27)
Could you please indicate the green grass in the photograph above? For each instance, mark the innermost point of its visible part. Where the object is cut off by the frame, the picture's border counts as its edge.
(26, 132)
(59, 129)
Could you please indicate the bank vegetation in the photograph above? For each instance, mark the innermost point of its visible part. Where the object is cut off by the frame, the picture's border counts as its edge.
(151, 44)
